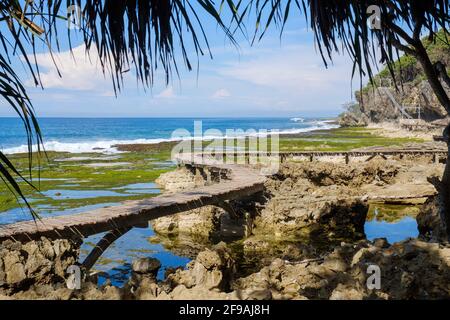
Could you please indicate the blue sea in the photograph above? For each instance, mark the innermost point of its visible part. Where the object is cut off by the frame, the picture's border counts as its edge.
(79, 135)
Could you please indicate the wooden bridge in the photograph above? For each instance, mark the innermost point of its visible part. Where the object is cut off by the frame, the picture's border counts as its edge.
(435, 154)
(234, 182)
(228, 182)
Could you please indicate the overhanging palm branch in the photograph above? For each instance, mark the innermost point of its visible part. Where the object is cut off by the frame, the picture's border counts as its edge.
(143, 34)
(342, 25)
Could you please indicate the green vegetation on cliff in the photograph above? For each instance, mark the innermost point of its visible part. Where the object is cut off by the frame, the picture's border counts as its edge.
(408, 69)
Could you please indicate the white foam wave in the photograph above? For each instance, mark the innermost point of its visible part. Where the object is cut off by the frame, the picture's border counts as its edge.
(108, 146)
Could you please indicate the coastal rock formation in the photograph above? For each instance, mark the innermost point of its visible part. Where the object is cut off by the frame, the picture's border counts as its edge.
(411, 269)
(376, 105)
(351, 120)
(180, 179)
(411, 90)
(207, 277)
(278, 260)
(35, 263)
(320, 197)
(429, 222)
(199, 222)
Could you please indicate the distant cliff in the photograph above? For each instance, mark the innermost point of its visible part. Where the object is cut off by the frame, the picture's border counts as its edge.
(374, 103)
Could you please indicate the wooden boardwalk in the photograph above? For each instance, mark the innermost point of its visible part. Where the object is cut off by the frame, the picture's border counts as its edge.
(236, 181)
(355, 153)
(240, 182)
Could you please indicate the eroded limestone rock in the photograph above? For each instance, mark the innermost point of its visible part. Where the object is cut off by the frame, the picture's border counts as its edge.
(35, 262)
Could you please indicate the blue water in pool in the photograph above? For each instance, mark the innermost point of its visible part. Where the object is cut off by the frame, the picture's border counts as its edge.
(392, 231)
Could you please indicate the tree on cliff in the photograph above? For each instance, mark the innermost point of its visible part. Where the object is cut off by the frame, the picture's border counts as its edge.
(370, 31)
(140, 34)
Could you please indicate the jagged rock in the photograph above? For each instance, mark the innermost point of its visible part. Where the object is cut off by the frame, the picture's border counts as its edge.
(37, 262)
(348, 119)
(429, 222)
(180, 179)
(200, 222)
(381, 243)
(211, 270)
(90, 291)
(377, 106)
(343, 292)
(147, 289)
(146, 266)
(15, 274)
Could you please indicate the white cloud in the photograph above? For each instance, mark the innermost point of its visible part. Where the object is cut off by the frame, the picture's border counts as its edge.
(221, 94)
(78, 71)
(167, 93)
(298, 69)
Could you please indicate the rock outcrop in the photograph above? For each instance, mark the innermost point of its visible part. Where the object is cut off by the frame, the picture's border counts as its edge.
(180, 179)
(35, 263)
(411, 269)
(431, 226)
(320, 197)
(375, 104)
(198, 222)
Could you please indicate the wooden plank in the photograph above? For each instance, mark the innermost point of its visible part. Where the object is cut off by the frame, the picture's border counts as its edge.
(244, 182)
(241, 182)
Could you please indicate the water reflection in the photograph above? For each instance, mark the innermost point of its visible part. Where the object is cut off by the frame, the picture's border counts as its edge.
(115, 263)
(393, 222)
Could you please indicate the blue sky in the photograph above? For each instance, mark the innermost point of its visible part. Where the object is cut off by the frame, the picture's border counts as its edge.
(271, 78)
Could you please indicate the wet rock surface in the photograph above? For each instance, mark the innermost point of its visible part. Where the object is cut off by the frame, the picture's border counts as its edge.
(320, 197)
(411, 269)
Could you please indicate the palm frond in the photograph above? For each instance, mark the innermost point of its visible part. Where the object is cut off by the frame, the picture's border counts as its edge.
(342, 25)
(144, 34)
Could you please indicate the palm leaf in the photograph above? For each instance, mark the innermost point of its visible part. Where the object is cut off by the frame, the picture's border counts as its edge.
(145, 34)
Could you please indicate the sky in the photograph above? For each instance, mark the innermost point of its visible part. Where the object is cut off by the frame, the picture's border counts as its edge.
(272, 78)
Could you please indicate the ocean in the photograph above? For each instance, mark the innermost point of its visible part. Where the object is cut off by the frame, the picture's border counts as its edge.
(78, 135)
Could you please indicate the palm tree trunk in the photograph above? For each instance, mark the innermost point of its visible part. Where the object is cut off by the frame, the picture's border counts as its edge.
(441, 94)
(444, 191)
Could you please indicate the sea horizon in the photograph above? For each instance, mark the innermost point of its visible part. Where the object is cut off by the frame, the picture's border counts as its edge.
(99, 135)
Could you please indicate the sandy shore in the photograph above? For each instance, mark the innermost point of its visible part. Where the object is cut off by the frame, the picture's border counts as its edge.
(396, 130)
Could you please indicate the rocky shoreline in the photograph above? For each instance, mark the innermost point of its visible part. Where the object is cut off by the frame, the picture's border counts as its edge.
(303, 238)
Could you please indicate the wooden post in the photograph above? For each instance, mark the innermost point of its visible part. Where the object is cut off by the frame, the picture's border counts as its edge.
(347, 158)
(435, 158)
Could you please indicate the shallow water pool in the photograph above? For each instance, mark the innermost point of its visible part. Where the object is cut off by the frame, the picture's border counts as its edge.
(115, 263)
(393, 222)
